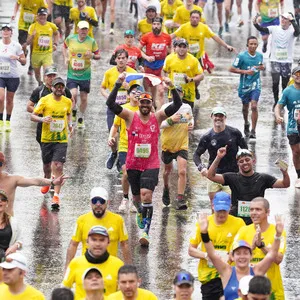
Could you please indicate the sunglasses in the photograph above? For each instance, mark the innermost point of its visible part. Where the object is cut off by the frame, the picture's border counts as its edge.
(3, 199)
(145, 101)
(97, 200)
(146, 96)
(59, 86)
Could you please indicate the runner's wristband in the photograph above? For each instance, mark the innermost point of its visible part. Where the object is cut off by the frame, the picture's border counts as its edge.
(205, 237)
(277, 238)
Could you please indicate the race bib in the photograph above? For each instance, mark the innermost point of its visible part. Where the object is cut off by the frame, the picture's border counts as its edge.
(273, 12)
(28, 17)
(57, 125)
(4, 67)
(142, 150)
(194, 48)
(222, 254)
(179, 79)
(44, 41)
(78, 64)
(243, 208)
(121, 97)
(281, 53)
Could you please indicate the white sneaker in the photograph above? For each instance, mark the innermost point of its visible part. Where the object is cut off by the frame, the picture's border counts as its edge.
(132, 208)
(124, 205)
(111, 32)
(297, 183)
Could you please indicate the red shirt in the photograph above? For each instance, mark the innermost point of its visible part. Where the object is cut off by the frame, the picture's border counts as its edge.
(134, 53)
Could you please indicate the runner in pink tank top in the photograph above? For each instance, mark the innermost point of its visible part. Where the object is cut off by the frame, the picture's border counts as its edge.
(142, 161)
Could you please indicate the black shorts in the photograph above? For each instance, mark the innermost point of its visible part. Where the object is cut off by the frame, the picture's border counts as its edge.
(191, 104)
(138, 180)
(11, 84)
(22, 38)
(167, 156)
(283, 69)
(61, 11)
(84, 85)
(54, 152)
(212, 290)
(294, 139)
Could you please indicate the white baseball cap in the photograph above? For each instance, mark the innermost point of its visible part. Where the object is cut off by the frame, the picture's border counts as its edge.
(15, 260)
(244, 284)
(99, 192)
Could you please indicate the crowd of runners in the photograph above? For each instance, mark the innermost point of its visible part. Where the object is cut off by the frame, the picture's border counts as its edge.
(150, 91)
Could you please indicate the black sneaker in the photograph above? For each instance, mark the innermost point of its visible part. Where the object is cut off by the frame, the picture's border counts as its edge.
(247, 129)
(252, 134)
(220, 31)
(264, 48)
(180, 204)
(197, 94)
(166, 197)
(111, 160)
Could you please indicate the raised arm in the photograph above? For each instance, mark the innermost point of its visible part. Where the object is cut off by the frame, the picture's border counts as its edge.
(284, 182)
(211, 174)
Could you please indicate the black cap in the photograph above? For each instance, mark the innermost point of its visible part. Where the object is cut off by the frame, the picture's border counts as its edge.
(58, 80)
(151, 7)
(42, 11)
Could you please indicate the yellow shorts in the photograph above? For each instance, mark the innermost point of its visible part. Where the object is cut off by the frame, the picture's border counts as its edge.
(213, 187)
(41, 59)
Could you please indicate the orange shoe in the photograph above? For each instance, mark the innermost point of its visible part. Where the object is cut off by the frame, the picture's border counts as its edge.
(55, 202)
(45, 189)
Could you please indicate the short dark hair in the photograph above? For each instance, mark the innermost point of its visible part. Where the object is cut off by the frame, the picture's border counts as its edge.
(128, 269)
(121, 51)
(264, 200)
(252, 37)
(62, 294)
(260, 285)
(195, 11)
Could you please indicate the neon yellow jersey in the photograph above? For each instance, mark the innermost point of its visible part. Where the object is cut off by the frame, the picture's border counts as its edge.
(57, 130)
(79, 67)
(28, 12)
(177, 68)
(123, 140)
(145, 27)
(78, 265)
(68, 3)
(195, 36)
(29, 293)
(168, 11)
(291, 81)
(114, 224)
(269, 9)
(75, 17)
(247, 234)
(43, 37)
(142, 295)
(182, 15)
(222, 237)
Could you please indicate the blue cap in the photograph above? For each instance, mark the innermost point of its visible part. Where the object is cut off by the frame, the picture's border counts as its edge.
(222, 201)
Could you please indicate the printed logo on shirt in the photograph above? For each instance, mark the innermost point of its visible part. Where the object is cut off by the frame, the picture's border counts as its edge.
(213, 142)
(110, 229)
(134, 133)
(152, 128)
(109, 277)
(229, 234)
(79, 55)
(155, 46)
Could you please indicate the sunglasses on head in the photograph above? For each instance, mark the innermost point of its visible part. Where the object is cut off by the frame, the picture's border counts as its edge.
(185, 277)
(95, 200)
(145, 96)
(243, 152)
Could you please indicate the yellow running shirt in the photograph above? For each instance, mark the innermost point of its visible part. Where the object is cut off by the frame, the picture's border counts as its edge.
(114, 224)
(222, 238)
(168, 11)
(29, 293)
(195, 36)
(43, 37)
(142, 295)
(77, 267)
(68, 3)
(123, 139)
(177, 68)
(28, 12)
(75, 17)
(247, 233)
(57, 130)
(182, 15)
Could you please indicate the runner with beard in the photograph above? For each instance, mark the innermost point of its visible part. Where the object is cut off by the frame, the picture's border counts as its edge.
(142, 161)
(158, 45)
(99, 215)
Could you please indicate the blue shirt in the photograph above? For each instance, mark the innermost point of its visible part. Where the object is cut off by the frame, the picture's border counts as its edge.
(245, 61)
(291, 99)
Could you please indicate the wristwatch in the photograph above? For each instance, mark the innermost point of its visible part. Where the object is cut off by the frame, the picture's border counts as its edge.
(261, 245)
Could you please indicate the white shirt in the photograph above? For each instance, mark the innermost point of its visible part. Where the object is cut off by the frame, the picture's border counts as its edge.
(143, 4)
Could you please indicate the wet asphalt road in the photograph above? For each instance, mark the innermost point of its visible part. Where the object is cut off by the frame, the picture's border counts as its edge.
(47, 234)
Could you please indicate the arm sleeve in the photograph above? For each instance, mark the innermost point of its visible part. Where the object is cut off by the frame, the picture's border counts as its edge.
(197, 155)
(241, 141)
(110, 102)
(261, 29)
(296, 28)
(172, 109)
(68, 93)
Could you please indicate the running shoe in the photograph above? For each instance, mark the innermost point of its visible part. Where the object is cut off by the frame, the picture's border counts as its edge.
(1, 125)
(226, 27)
(180, 204)
(45, 189)
(55, 202)
(252, 134)
(264, 48)
(240, 23)
(111, 160)
(220, 31)
(166, 197)
(230, 16)
(111, 32)
(124, 206)
(297, 183)
(80, 123)
(103, 26)
(132, 208)
(144, 239)
(247, 129)
(139, 220)
(7, 126)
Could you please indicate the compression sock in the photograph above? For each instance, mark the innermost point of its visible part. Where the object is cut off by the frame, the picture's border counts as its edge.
(112, 24)
(147, 213)
(8, 117)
